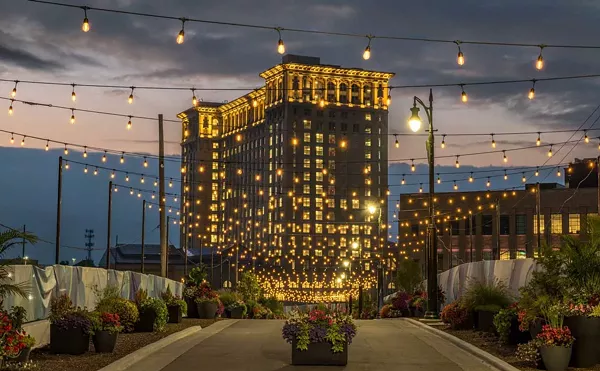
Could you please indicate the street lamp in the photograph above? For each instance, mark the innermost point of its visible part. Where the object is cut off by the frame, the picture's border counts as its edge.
(414, 123)
(346, 263)
(372, 209)
(25, 258)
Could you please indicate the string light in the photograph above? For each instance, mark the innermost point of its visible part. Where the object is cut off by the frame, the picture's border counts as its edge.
(389, 97)
(537, 171)
(396, 143)
(12, 138)
(493, 141)
(538, 142)
(367, 52)
(471, 178)
(131, 191)
(488, 183)
(194, 99)
(129, 123)
(145, 162)
(73, 95)
(10, 109)
(439, 181)
(96, 171)
(455, 186)
(280, 44)
(85, 169)
(294, 140)
(181, 35)
(142, 180)
(84, 152)
(585, 137)
(523, 178)
(558, 173)
(67, 165)
(460, 59)
(126, 177)
(403, 181)
(443, 144)
(66, 150)
(72, 116)
(112, 175)
(130, 99)
(531, 94)
(505, 175)
(343, 143)
(170, 183)
(421, 188)
(539, 64)
(47, 146)
(13, 93)
(104, 157)
(505, 159)
(550, 151)
(412, 166)
(85, 26)
(155, 183)
(122, 160)
(457, 163)
(463, 95)
(23, 142)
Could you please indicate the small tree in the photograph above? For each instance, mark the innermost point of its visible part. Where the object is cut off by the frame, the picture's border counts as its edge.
(409, 275)
(198, 274)
(8, 239)
(249, 287)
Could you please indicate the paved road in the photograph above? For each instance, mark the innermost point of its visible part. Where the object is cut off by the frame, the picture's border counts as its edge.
(256, 345)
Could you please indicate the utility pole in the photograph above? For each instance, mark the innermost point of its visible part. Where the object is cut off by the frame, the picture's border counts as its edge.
(471, 237)
(167, 256)
(538, 212)
(89, 236)
(110, 191)
(23, 241)
(497, 256)
(143, 235)
(161, 198)
(58, 210)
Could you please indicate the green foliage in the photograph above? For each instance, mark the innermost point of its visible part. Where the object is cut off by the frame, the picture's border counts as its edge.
(529, 352)
(29, 341)
(9, 239)
(173, 300)
(479, 294)
(303, 337)
(140, 296)
(336, 337)
(595, 311)
(59, 307)
(17, 317)
(159, 308)
(409, 276)
(198, 274)
(274, 305)
(249, 287)
(503, 322)
(126, 309)
(229, 297)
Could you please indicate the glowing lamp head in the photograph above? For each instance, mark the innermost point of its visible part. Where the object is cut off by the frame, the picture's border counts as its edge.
(181, 37)
(346, 263)
(280, 47)
(415, 121)
(85, 26)
(355, 245)
(372, 209)
(460, 59)
(367, 53)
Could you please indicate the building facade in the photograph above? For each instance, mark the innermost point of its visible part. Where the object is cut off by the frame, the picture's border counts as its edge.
(291, 174)
(487, 225)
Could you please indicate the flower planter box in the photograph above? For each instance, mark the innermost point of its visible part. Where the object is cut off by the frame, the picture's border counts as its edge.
(586, 333)
(146, 322)
(192, 309)
(23, 357)
(318, 354)
(236, 313)
(71, 341)
(485, 321)
(556, 358)
(207, 310)
(175, 314)
(104, 341)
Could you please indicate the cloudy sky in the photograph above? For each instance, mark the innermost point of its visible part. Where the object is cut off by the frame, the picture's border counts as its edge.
(43, 42)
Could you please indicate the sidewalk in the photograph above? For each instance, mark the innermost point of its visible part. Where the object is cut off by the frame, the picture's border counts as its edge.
(380, 345)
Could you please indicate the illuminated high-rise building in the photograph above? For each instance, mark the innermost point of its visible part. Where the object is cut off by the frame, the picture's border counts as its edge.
(291, 175)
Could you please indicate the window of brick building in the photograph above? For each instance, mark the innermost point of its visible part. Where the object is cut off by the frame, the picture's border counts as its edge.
(574, 223)
(504, 225)
(486, 225)
(521, 224)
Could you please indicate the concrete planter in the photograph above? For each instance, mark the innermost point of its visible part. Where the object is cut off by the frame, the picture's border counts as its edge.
(586, 331)
(104, 341)
(207, 309)
(72, 341)
(175, 314)
(318, 354)
(146, 322)
(556, 358)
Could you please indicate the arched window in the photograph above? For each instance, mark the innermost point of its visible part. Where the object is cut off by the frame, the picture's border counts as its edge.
(306, 88)
(330, 92)
(343, 93)
(296, 87)
(367, 95)
(355, 94)
(319, 89)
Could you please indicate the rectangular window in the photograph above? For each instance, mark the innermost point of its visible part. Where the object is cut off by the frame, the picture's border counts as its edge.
(306, 202)
(331, 138)
(574, 223)
(319, 150)
(307, 163)
(330, 202)
(414, 229)
(319, 138)
(504, 225)
(306, 228)
(368, 142)
(367, 154)
(331, 152)
(556, 223)
(355, 229)
(306, 176)
(521, 224)
(331, 124)
(307, 124)
(318, 215)
(319, 176)
(344, 127)
(318, 202)
(367, 129)
(355, 204)
(344, 203)
(319, 163)
(454, 228)
(486, 225)
(306, 189)
(535, 224)
(306, 137)
(305, 252)
(306, 150)
(305, 215)
(368, 116)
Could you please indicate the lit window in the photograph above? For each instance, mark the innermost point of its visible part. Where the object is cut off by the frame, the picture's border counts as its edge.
(556, 223)
(319, 163)
(307, 176)
(318, 215)
(306, 201)
(368, 142)
(318, 252)
(307, 163)
(355, 229)
(319, 137)
(306, 189)
(318, 228)
(306, 124)
(305, 252)
(318, 188)
(574, 223)
(318, 202)
(319, 176)
(306, 137)
(331, 202)
(306, 215)
(306, 150)
(331, 152)
(306, 228)
(332, 139)
(535, 224)
(355, 204)
(367, 154)
(319, 150)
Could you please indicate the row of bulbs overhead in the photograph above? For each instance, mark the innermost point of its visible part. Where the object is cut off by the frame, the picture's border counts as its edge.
(460, 59)
(538, 143)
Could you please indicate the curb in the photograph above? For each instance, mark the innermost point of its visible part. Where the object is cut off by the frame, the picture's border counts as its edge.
(481, 354)
(140, 354)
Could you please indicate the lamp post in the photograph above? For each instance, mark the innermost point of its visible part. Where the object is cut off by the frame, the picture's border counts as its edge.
(356, 245)
(372, 209)
(431, 253)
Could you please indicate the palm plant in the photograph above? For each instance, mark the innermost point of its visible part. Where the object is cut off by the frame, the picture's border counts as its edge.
(9, 239)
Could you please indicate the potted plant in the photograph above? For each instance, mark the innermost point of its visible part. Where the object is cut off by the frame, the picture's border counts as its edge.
(153, 315)
(455, 315)
(190, 292)
(107, 327)
(28, 342)
(175, 306)
(70, 327)
(400, 303)
(506, 323)
(530, 354)
(207, 301)
(17, 317)
(237, 309)
(555, 339)
(583, 320)
(484, 300)
(12, 341)
(319, 338)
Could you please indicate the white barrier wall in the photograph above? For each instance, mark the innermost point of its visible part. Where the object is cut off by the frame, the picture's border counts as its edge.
(79, 284)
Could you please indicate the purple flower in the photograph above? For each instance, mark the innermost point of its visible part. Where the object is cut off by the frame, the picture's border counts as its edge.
(317, 334)
(290, 331)
(349, 330)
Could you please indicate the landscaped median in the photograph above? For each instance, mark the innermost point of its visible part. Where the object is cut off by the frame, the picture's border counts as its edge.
(126, 344)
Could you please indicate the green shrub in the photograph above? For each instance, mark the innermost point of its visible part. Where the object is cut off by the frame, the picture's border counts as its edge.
(59, 307)
(159, 308)
(274, 305)
(480, 294)
(173, 300)
(249, 287)
(503, 321)
(228, 297)
(126, 309)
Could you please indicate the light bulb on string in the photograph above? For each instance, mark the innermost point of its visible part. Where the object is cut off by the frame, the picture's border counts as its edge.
(72, 116)
(488, 183)
(439, 181)
(181, 35)
(403, 181)
(122, 160)
(396, 143)
(84, 152)
(23, 142)
(73, 95)
(104, 157)
(130, 99)
(505, 175)
(343, 142)
(12, 138)
(112, 174)
(127, 177)
(531, 94)
(443, 144)
(367, 52)
(539, 63)
(142, 180)
(67, 165)
(155, 182)
(460, 59)
(463, 96)
(13, 93)
(550, 151)
(493, 141)
(170, 183)
(457, 163)
(412, 166)
(389, 97)
(85, 169)
(129, 123)
(10, 108)
(538, 142)
(145, 162)
(66, 150)
(85, 25)
(153, 195)
(455, 186)
(280, 44)
(558, 173)
(537, 171)
(47, 145)
(471, 178)
(131, 191)
(96, 171)
(585, 137)
(421, 188)
(194, 99)
(505, 159)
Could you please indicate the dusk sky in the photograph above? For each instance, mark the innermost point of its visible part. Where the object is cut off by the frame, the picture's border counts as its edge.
(45, 43)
